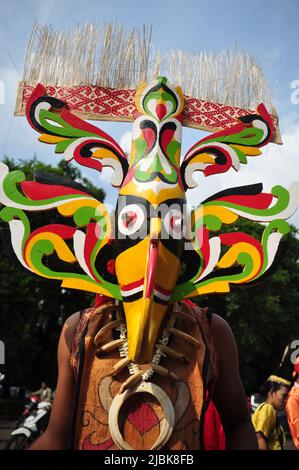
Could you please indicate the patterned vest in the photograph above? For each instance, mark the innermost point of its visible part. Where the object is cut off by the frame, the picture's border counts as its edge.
(142, 415)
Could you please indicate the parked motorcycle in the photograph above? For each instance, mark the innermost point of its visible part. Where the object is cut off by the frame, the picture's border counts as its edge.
(31, 424)
(255, 400)
(2, 378)
(30, 405)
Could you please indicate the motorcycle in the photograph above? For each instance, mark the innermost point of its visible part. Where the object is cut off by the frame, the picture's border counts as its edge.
(255, 400)
(2, 378)
(30, 404)
(31, 424)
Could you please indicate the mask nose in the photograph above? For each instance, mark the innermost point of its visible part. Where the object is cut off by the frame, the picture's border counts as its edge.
(152, 258)
(155, 228)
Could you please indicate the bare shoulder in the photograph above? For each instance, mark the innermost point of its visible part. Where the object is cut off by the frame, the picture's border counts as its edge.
(219, 325)
(72, 320)
(69, 329)
(224, 340)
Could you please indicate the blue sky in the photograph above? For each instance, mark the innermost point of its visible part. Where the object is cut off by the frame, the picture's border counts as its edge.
(264, 28)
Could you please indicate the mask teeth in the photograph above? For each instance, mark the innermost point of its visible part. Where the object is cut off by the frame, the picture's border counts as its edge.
(123, 350)
(148, 374)
(158, 356)
(122, 331)
(122, 327)
(133, 368)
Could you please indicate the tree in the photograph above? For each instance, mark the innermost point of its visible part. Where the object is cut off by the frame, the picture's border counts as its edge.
(264, 317)
(33, 309)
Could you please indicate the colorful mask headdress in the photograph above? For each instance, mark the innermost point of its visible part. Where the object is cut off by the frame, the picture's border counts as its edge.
(161, 253)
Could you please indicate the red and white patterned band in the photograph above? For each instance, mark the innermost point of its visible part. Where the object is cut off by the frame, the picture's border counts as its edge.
(108, 104)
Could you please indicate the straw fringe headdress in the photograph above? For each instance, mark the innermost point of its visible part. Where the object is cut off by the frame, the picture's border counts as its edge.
(96, 70)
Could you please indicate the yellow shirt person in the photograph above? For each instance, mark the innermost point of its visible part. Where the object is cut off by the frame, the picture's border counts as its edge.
(265, 422)
(270, 434)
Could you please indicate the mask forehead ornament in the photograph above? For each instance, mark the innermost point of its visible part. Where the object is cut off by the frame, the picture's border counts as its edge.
(149, 213)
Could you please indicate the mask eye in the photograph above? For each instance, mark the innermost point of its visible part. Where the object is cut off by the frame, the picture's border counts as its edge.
(130, 219)
(173, 223)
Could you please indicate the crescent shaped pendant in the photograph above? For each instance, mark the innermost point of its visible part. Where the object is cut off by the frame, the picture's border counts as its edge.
(166, 405)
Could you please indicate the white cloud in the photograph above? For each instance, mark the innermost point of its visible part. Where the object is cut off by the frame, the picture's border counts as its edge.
(126, 142)
(106, 175)
(9, 77)
(15, 133)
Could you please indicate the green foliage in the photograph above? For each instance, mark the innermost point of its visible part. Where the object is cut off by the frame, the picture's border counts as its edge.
(33, 309)
(263, 317)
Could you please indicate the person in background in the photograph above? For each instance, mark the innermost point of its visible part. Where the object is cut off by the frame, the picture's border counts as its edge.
(292, 407)
(270, 434)
(44, 393)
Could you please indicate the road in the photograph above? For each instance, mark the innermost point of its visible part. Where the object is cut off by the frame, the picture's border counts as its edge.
(7, 425)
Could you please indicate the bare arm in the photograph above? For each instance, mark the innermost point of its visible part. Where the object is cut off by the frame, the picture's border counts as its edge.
(57, 434)
(262, 443)
(36, 392)
(229, 396)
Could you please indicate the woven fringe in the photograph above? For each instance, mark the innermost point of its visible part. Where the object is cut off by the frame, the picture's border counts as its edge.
(108, 56)
(230, 77)
(90, 55)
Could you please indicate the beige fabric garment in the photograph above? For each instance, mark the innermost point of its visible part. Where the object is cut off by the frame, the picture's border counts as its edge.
(142, 415)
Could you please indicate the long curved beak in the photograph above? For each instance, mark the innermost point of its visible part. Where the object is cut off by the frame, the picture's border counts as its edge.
(152, 258)
(151, 278)
(141, 346)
